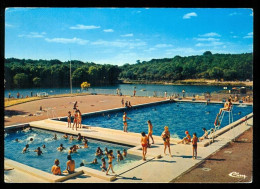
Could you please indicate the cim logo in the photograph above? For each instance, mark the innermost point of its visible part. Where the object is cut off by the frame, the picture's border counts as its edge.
(236, 175)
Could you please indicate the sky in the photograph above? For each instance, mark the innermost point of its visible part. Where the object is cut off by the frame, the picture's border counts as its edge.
(124, 35)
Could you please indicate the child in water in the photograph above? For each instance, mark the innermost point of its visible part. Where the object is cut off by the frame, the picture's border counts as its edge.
(124, 152)
(119, 156)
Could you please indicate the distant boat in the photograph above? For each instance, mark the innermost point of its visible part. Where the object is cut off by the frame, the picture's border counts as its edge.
(143, 90)
(224, 87)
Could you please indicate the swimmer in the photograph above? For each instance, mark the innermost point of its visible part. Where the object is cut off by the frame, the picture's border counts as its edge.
(166, 138)
(119, 156)
(31, 139)
(38, 150)
(60, 148)
(106, 151)
(103, 167)
(124, 152)
(185, 140)
(55, 137)
(81, 164)
(72, 138)
(56, 168)
(205, 136)
(65, 136)
(70, 165)
(79, 137)
(110, 161)
(70, 151)
(25, 148)
(99, 152)
(94, 161)
(144, 143)
(85, 139)
(43, 146)
(16, 140)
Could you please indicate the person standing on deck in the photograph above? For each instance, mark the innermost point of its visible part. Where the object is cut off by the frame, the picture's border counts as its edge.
(183, 93)
(124, 121)
(134, 91)
(150, 131)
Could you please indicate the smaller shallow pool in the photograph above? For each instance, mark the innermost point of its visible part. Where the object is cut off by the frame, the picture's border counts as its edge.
(44, 162)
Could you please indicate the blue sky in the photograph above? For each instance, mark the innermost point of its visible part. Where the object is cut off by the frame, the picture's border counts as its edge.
(124, 35)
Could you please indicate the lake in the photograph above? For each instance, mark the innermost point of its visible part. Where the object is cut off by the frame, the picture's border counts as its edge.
(126, 89)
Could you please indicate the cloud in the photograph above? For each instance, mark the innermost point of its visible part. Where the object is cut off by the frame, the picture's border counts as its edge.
(128, 35)
(214, 43)
(33, 35)
(8, 25)
(249, 35)
(189, 15)
(183, 51)
(83, 27)
(120, 43)
(108, 30)
(206, 39)
(67, 40)
(162, 45)
(211, 34)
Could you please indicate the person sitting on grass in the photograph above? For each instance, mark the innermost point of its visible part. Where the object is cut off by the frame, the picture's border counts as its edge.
(70, 165)
(205, 136)
(119, 156)
(187, 139)
(56, 168)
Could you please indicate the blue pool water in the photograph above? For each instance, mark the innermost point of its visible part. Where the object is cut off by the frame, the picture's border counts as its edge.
(13, 150)
(179, 116)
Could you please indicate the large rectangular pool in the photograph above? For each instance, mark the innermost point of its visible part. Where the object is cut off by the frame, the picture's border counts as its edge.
(44, 162)
(179, 116)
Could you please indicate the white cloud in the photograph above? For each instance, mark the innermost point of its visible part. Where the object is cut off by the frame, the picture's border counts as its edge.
(67, 40)
(33, 35)
(128, 35)
(108, 30)
(120, 43)
(83, 27)
(189, 15)
(162, 45)
(183, 51)
(249, 35)
(211, 34)
(206, 39)
(214, 43)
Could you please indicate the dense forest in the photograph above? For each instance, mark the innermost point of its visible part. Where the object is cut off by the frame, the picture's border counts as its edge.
(208, 66)
(21, 73)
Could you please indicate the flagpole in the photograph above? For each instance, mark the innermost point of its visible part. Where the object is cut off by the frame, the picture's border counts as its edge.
(70, 76)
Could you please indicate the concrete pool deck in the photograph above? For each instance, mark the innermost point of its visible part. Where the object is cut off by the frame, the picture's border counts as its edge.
(154, 170)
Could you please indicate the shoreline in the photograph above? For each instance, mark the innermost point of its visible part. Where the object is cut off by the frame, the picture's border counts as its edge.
(194, 82)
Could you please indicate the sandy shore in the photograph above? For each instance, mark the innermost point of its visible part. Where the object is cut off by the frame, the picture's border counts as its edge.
(59, 107)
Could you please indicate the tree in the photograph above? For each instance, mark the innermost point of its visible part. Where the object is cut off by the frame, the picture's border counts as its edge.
(21, 80)
(37, 81)
(207, 53)
(85, 85)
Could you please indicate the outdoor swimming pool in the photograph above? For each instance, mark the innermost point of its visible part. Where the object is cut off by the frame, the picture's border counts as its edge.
(44, 162)
(179, 116)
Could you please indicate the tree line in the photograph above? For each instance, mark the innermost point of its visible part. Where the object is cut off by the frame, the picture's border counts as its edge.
(22, 73)
(208, 66)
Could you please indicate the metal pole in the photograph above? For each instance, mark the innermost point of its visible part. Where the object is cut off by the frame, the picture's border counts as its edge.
(70, 76)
